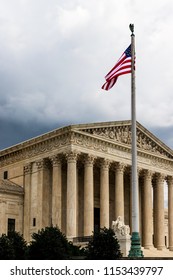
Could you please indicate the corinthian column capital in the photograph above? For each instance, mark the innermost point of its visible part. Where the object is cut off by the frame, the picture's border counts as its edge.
(119, 167)
(27, 168)
(160, 178)
(105, 163)
(42, 164)
(169, 180)
(55, 160)
(89, 159)
(147, 174)
(71, 156)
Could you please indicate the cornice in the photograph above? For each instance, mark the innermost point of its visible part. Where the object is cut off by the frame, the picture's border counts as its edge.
(9, 187)
(36, 140)
(83, 136)
(34, 148)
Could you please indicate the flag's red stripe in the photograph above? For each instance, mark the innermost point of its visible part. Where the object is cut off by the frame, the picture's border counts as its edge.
(120, 73)
(119, 70)
(117, 64)
(110, 84)
(122, 67)
(126, 61)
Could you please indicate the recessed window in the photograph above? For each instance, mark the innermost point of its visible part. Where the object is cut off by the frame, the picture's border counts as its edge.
(11, 225)
(5, 174)
(34, 222)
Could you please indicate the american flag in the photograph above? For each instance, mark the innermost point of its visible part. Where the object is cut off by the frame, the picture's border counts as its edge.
(123, 66)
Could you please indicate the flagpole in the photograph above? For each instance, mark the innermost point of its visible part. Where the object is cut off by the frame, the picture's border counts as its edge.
(135, 250)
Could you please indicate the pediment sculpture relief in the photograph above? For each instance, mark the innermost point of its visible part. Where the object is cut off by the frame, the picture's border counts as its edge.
(122, 134)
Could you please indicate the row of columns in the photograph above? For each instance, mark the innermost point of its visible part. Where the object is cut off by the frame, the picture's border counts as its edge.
(150, 207)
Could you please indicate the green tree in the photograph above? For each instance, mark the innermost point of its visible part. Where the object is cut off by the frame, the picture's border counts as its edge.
(18, 244)
(12, 247)
(49, 244)
(6, 249)
(103, 246)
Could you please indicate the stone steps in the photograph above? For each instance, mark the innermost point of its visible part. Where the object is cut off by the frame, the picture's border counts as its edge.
(154, 253)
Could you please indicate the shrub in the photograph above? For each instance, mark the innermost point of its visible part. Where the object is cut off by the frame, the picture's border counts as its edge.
(103, 246)
(49, 244)
(6, 249)
(18, 244)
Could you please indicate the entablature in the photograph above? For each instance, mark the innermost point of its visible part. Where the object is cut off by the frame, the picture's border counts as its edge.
(113, 139)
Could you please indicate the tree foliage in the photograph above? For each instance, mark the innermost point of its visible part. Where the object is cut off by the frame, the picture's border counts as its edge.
(6, 250)
(50, 244)
(103, 246)
(18, 244)
(12, 247)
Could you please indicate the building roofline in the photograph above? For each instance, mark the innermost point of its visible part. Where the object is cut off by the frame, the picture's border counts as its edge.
(78, 127)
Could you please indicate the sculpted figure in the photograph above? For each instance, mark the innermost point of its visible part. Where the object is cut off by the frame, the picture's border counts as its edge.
(119, 227)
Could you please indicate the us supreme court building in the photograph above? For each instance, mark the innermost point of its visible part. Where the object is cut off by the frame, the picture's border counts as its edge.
(78, 178)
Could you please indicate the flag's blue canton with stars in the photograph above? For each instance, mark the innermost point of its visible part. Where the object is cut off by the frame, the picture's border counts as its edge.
(128, 51)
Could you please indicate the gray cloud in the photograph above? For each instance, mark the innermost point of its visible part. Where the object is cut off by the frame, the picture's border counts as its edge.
(54, 56)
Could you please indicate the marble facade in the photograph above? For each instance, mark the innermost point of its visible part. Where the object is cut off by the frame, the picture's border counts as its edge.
(79, 178)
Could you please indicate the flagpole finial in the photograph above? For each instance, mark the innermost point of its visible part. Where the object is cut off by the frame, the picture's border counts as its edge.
(131, 26)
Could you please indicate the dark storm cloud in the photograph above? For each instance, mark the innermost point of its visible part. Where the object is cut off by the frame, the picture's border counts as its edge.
(13, 132)
(54, 55)
(165, 134)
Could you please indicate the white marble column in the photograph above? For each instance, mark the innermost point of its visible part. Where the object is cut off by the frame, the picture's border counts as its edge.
(43, 193)
(3, 218)
(147, 210)
(104, 194)
(119, 190)
(88, 196)
(71, 227)
(170, 212)
(56, 192)
(159, 212)
(27, 201)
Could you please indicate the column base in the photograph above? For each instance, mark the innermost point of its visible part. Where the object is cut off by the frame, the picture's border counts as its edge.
(170, 248)
(148, 247)
(160, 248)
(135, 250)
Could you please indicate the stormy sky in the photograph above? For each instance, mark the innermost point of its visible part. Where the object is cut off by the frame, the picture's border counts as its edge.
(54, 55)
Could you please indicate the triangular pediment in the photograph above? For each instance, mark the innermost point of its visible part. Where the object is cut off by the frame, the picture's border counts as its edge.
(7, 186)
(120, 133)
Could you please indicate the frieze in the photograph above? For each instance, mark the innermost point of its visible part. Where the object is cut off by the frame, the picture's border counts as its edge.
(3, 201)
(162, 165)
(94, 144)
(122, 135)
(119, 153)
(35, 149)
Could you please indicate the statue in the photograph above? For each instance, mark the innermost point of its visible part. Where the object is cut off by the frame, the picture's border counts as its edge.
(119, 227)
(122, 233)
